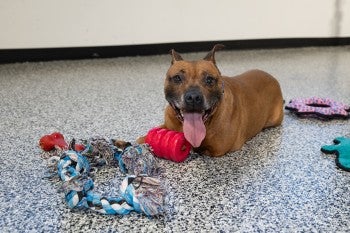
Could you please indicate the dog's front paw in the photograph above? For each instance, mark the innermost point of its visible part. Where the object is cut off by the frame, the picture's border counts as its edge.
(141, 140)
(120, 143)
(208, 152)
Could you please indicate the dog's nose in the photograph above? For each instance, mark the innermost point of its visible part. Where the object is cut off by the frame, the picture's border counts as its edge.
(194, 97)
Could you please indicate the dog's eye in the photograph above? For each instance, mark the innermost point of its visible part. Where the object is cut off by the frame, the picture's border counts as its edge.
(177, 79)
(210, 81)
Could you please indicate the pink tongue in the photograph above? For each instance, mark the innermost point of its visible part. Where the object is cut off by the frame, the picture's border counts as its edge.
(194, 128)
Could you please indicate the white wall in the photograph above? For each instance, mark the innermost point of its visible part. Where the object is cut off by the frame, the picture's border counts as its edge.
(71, 23)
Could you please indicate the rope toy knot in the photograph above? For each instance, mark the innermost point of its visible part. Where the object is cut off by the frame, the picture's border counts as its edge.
(143, 193)
(137, 160)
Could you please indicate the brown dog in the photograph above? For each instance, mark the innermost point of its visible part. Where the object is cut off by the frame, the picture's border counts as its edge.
(219, 114)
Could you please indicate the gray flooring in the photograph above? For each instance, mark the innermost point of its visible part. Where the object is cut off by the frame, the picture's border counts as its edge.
(278, 182)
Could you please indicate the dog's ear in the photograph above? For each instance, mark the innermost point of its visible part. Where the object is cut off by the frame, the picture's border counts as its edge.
(211, 55)
(175, 56)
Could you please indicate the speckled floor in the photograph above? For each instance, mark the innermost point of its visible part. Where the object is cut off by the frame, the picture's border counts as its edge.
(278, 182)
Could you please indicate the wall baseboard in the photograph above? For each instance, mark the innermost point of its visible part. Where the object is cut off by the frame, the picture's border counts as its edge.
(49, 54)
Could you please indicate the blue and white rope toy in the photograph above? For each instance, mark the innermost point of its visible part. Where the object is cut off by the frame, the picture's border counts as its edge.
(141, 190)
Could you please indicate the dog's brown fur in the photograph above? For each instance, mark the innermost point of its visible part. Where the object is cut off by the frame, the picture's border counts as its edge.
(240, 106)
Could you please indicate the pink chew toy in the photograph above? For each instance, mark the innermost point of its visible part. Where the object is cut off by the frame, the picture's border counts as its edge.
(168, 144)
(323, 108)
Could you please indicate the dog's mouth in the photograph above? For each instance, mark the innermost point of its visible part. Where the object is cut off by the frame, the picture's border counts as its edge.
(194, 123)
(205, 113)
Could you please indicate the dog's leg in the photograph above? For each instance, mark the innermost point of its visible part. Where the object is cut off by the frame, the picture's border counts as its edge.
(141, 140)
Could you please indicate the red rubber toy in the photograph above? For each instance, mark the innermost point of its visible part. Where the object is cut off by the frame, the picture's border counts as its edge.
(51, 141)
(168, 144)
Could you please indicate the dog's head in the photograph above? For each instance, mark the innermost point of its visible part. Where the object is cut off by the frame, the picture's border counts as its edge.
(194, 89)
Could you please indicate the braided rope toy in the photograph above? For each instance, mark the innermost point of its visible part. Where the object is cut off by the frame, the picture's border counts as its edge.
(141, 190)
(323, 108)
